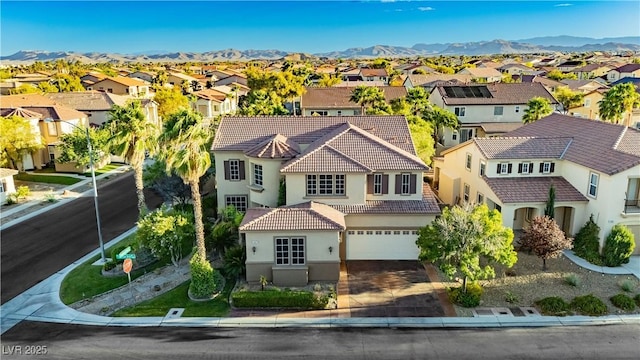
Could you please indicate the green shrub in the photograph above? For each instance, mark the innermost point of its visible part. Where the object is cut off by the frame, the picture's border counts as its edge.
(21, 193)
(623, 301)
(511, 297)
(203, 283)
(235, 262)
(586, 244)
(637, 299)
(618, 246)
(627, 285)
(168, 233)
(589, 305)
(279, 299)
(572, 279)
(553, 305)
(468, 299)
(108, 265)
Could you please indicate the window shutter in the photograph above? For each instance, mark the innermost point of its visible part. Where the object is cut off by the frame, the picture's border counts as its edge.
(531, 168)
(242, 174)
(519, 168)
(227, 170)
(413, 183)
(370, 184)
(498, 170)
(553, 167)
(398, 184)
(385, 184)
(509, 168)
(541, 167)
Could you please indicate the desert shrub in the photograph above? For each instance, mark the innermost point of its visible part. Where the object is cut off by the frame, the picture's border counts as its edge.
(586, 244)
(618, 246)
(279, 299)
(234, 262)
(470, 298)
(21, 193)
(627, 285)
(553, 305)
(623, 301)
(589, 305)
(637, 299)
(572, 279)
(511, 297)
(203, 283)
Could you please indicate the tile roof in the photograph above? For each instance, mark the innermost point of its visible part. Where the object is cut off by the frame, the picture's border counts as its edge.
(20, 112)
(523, 147)
(41, 105)
(499, 127)
(242, 133)
(582, 84)
(275, 147)
(428, 205)
(627, 68)
(373, 72)
(590, 67)
(306, 216)
(211, 94)
(533, 189)
(89, 100)
(338, 97)
(501, 93)
(601, 146)
(349, 148)
(423, 80)
(15, 101)
(5, 172)
(482, 72)
(124, 81)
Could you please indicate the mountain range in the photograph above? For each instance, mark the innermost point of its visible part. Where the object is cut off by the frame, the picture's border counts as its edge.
(533, 45)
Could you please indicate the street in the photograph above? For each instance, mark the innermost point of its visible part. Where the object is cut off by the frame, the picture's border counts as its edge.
(36, 248)
(65, 341)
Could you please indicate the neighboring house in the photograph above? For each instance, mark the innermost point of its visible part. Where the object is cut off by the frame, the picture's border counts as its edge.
(121, 85)
(482, 75)
(570, 65)
(591, 71)
(594, 167)
(352, 190)
(374, 75)
(550, 84)
(355, 83)
(177, 79)
(517, 69)
(628, 70)
(97, 105)
(7, 185)
(229, 80)
(142, 75)
(91, 78)
(590, 107)
(583, 86)
(428, 82)
(39, 110)
(335, 101)
(478, 105)
(212, 102)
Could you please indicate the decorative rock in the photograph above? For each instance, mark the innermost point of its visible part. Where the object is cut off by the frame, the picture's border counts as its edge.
(157, 288)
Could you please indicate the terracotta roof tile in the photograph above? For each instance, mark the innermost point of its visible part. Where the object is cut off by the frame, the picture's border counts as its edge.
(211, 94)
(427, 80)
(501, 127)
(523, 147)
(124, 81)
(501, 94)
(20, 112)
(306, 216)
(338, 97)
(483, 72)
(324, 159)
(428, 205)
(373, 72)
(275, 147)
(533, 189)
(88, 100)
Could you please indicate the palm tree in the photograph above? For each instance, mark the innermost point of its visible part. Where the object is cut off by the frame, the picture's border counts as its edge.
(184, 150)
(418, 99)
(441, 119)
(618, 100)
(132, 134)
(366, 95)
(537, 108)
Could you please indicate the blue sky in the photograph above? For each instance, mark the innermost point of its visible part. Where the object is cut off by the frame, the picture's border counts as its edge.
(298, 26)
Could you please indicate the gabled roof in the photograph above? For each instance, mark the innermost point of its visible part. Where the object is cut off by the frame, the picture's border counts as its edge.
(44, 106)
(428, 205)
(211, 94)
(533, 189)
(494, 94)
(582, 84)
(20, 112)
(127, 81)
(275, 147)
(627, 68)
(482, 72)
(591, 67)
(499, 127)
(601, 146)
(351, 149)
(373, 72)
(88, 100)
(338, 97)
(306, 216)
(426, 80)
(523, 147)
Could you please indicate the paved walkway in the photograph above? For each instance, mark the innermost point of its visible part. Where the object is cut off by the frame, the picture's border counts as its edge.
(42, 303)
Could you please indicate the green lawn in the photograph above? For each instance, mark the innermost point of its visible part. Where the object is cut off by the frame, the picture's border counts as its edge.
(104, 169)
(86, 280)
(178, 298)
(49, 179)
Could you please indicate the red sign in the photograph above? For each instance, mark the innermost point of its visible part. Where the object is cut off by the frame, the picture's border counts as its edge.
(127, 265)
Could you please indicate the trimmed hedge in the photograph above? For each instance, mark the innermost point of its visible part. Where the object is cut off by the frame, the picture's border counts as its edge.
(619, 246)
(553, 305)
(623, 301)
(279, 299)
(589, 305)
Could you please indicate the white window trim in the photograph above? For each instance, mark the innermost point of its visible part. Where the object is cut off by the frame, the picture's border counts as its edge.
(377, 184)
(258, 174)
(480, 195)
(461, 110)
(527, 169)
(234, 170)
(466, 191)
(482, 170)
(468, 161)
(593, 185)
(236, 200)
(546, 167)
(314, 186)
(289, 252)
(504, 169)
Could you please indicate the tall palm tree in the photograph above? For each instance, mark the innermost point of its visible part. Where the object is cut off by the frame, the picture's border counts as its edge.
(184, 150)
(418, 99)
(618, 100)
(366, 95)
(132, 135)
(537, 108)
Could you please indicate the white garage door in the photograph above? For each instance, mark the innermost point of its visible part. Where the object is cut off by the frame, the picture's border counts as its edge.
(382, 245)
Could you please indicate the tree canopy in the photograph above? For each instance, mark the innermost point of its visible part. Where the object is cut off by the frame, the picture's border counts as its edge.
(568, 98)
(545, 239)
(18, 139)
(537, 108)
(170, 101)
(73, 147)
(618, 100)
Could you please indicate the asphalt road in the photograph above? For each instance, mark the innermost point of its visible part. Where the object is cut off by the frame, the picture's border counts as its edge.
(65, 341)
(37, 248)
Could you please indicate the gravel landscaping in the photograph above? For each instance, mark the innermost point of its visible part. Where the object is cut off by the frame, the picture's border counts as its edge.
(528, 282)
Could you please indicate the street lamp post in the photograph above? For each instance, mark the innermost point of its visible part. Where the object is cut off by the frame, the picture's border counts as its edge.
(93, 178)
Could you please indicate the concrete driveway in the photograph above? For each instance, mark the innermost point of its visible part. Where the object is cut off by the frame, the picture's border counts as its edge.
(390, 289)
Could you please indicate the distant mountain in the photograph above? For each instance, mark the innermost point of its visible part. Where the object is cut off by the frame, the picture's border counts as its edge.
(533, 45)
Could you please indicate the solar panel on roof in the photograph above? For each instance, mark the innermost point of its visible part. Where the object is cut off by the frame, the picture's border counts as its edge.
(467, 92)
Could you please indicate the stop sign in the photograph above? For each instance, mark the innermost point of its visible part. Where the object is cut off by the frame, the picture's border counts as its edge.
(127, 265)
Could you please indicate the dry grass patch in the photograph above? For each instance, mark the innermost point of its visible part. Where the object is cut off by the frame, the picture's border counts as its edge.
(526, 282)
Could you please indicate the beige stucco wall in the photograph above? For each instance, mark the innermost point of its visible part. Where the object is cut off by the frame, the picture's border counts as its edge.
(392, 186)
(355, 190)
(116, 88)
(589, 108)
(9, 187)
(226, 187)
(387, 221)
(267, 194)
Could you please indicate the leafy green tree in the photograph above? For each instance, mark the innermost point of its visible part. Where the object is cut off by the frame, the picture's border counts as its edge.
(558, 75)
(262, 102)
(537, 108)
(132, 135)
(67, 83)
(545, 239)
(367, 96)
(18, 139)
(440, 119)
(24, 89)
(418, 100)
(184, 150)
(422, 136)
(328, 80)
(458, 240)
(46, 87)
(569, 99)
(617, 101)
(380, 63)
(279, 86)
(73, 146)
(170, 101)
(167, 233)
(159, 81)
(399, 106)
(619, 246)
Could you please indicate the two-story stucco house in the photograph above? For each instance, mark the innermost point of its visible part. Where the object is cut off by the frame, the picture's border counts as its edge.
(627, 70)
(336, 101)
(486, 110)
(121, 85)
(594, 167)
(352, 190)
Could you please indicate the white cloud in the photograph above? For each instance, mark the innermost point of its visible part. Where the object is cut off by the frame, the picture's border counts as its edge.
(562, 5)
(426, 8)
